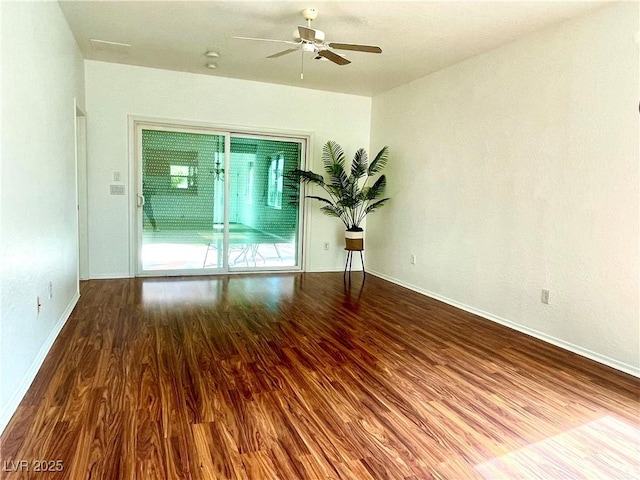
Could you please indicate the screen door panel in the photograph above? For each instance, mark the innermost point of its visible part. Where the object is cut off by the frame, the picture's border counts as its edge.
(183, 207)
(263, 207)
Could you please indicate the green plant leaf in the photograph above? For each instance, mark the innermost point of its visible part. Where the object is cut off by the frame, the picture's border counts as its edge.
(350, 202)
(321, 199)
(378, 163)
(334, 211)
(348, 198)
(376, 189)
(332, 157)
(339, 179)
(375, 206)
(307, 176)
(359, 165)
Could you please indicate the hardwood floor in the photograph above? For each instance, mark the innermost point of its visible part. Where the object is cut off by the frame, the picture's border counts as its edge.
(301, 377)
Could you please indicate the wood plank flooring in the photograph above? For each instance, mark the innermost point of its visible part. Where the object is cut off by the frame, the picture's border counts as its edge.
(300, 376)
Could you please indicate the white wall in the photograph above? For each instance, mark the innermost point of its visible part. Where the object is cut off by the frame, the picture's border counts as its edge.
(42, 72)
(116, 91)
(517, 171)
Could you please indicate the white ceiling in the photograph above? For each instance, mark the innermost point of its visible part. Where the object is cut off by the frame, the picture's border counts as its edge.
(417, 37)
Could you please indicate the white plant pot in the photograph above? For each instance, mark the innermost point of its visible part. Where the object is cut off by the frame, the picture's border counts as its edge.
(354, 240)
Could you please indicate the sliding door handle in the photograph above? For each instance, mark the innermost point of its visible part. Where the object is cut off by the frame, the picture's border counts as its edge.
(140, 200)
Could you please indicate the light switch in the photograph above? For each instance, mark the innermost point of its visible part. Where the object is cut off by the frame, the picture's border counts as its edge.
(117, 189)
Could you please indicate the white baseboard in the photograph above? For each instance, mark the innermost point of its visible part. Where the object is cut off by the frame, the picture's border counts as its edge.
(610, 362)
(110, 276)
(16, 398)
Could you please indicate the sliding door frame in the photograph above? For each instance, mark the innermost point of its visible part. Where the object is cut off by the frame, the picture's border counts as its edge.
(138, 123)
(300, 234)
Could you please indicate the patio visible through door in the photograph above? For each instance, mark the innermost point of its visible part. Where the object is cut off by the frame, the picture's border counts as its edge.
(203, 210)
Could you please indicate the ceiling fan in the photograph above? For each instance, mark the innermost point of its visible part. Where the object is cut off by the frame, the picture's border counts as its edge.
(308, 39)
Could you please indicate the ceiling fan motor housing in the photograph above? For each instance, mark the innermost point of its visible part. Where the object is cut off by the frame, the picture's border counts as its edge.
(310, 13)
(318, 33)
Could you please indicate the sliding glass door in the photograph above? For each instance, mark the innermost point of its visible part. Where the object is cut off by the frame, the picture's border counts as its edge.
(216, 201)
(263, 206)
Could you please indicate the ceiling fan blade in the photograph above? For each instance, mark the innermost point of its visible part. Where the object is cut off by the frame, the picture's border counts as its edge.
(284, 52)
(356, 48)
(306, 33)
(334, 57)
(268, 40)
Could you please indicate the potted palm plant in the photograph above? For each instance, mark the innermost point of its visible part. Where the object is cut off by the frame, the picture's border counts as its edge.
(348, 195)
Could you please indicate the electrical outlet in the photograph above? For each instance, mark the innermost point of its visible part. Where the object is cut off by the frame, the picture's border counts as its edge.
(325, 246)
(50, 290)
(116, 176)
(413, 260)
(545, 297)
